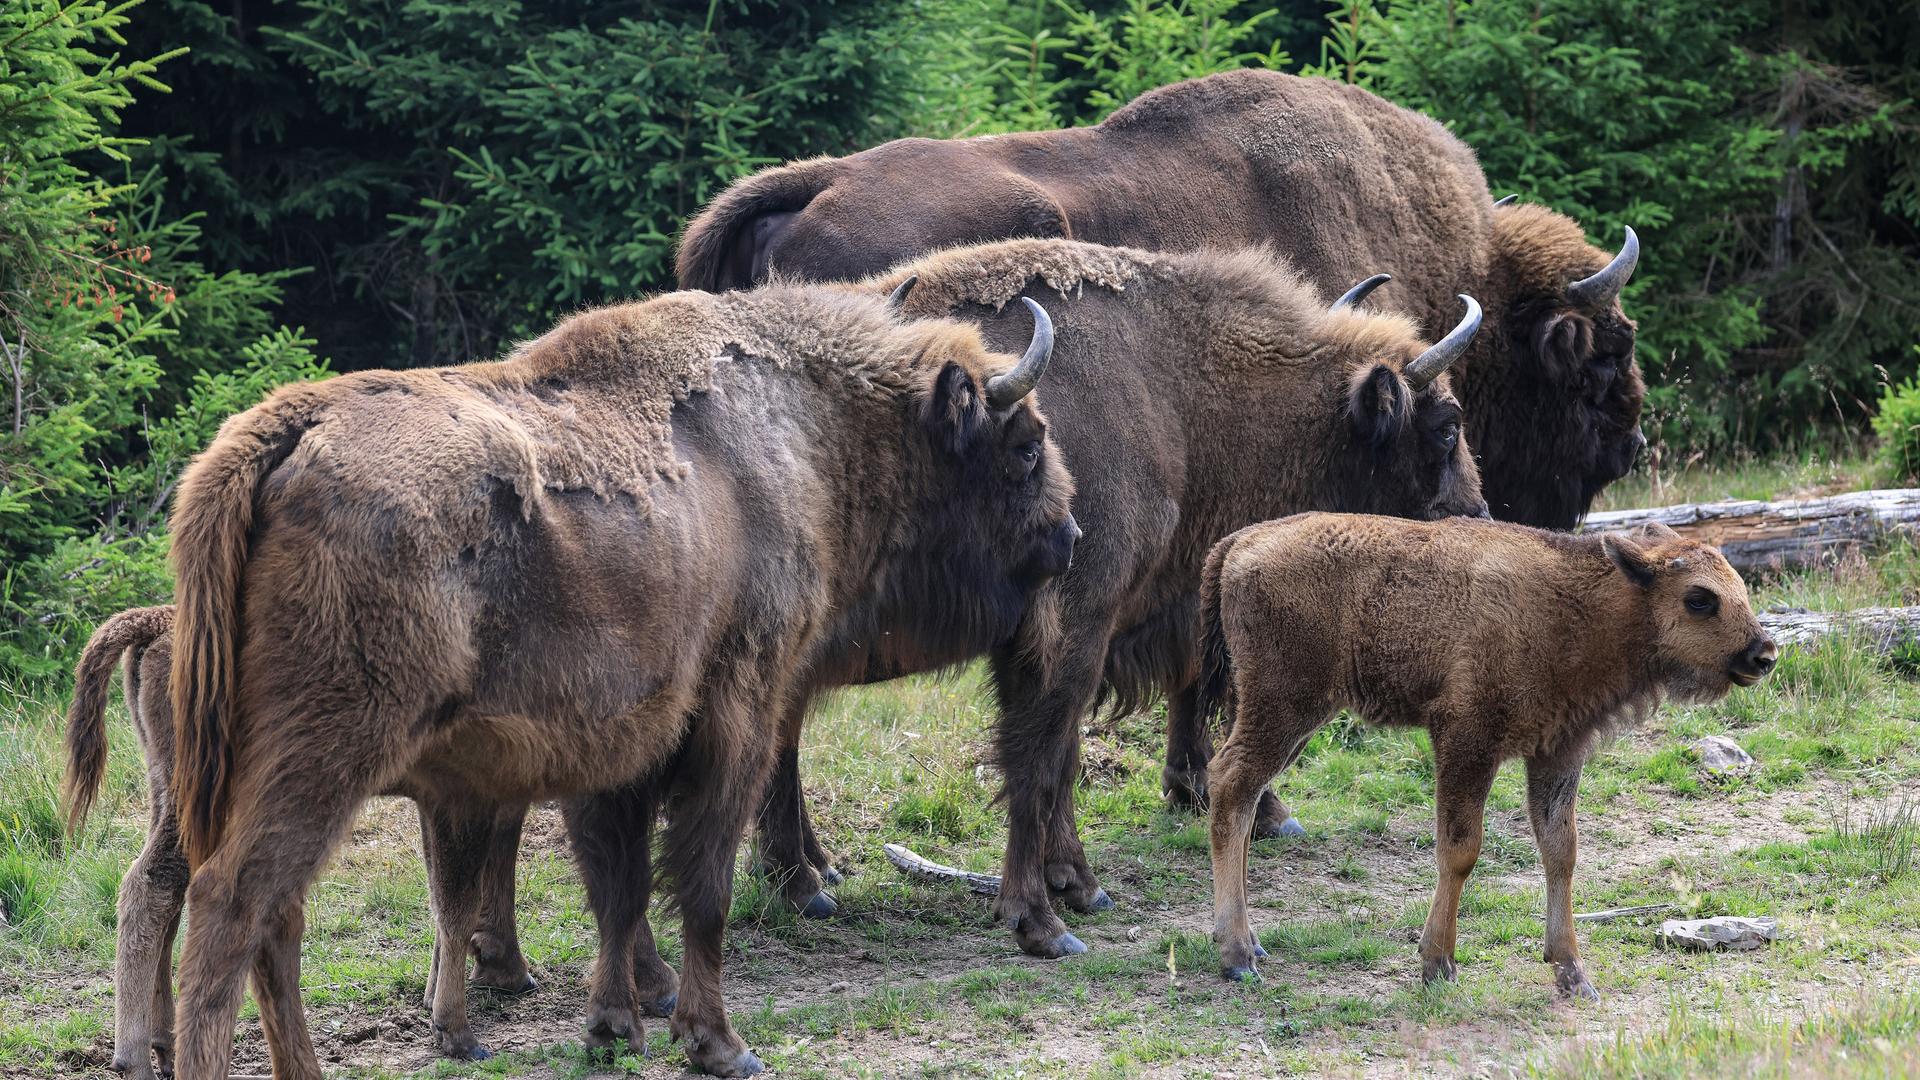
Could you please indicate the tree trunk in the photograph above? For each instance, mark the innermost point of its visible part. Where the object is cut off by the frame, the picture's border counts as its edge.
(1794, 533)
(1880, 628)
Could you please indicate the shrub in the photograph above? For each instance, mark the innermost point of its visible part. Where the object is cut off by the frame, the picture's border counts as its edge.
(1897, 423)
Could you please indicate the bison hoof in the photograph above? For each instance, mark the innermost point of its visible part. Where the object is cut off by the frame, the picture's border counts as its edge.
(460, 1045)
(125, 1065)
(747, 1064)
(1574, 984)
(1267, 830)
(1185, 790)
(1066, 945)
(613, 1030)
(819, 906)
(830, 876)
(1239, 974)
(1259, 953)
(1433, 971)
(510, 983)
(661, 1007)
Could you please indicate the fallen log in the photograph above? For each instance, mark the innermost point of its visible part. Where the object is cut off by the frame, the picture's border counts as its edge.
(1787, 534)
(930, 871)
(1880, 628)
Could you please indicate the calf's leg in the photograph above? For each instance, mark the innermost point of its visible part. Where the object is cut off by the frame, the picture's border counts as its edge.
(1184, 777)
(1464, 769)
(1552, 784)
(151, 894)
(1271, 728)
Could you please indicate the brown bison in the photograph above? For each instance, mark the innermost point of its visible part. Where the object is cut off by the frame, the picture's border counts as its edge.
(1502, 641)
(596, 566)
(1191, 395)
(155, 887)
(1338, 180)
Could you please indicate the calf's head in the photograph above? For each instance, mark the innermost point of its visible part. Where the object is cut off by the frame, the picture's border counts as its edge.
(991, 516)
(1569, 380)
(1405, 447)
(1706, 639)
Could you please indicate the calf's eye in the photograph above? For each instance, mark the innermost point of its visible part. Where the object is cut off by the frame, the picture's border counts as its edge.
(1702, 602)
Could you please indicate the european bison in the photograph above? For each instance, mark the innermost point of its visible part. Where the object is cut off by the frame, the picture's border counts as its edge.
(1338, 180)
(1191, 394)
(155, 887)
(1502, 641)
(598, 565)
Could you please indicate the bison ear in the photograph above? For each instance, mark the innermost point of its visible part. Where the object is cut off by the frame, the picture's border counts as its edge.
(956, 412)
(1563, 340)
(1630, 557)
(1379, 404)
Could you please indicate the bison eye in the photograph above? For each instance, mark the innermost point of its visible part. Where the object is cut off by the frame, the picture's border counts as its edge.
(1448, 434)
(1029, 455)
(1702, 602)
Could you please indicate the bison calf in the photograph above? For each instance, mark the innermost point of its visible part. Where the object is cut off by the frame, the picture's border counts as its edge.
(1502, 641)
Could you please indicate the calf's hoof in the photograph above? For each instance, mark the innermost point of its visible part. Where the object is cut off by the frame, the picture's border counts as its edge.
(1269, 831)
(1100, 901)
(1438, 970)
(661, 1007)
(614, 1030)
(1064, 945)
(1184, 790)
(134, 1067)
(460, 1044)
(508, 982)
(829, 876)
(745, 1065)
(1259, 953)
(1574, 984)
(1240, 973)
(819, 906)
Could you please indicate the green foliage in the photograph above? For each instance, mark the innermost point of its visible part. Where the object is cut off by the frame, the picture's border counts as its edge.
(105, 319)
(1897, 423)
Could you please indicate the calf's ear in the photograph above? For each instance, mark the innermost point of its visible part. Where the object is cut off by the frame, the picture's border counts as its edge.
(1655, 532)
(1630, 557)
(1379, 403)
(955, 412)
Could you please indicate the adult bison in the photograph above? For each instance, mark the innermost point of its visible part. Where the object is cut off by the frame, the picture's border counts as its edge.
(1191, 394)
(599, 563)
(1338, 180)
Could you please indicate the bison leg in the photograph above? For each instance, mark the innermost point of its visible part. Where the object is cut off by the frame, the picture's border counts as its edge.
(1038, 746)
(1552, 784)
(279, 829)
(276, 987)
(1266, 738)
(1184, 777)
(151, 894)
(461, 841)
(498, 962)
(719, 781)
(1465, 769)
(785, 834)
(611, 835)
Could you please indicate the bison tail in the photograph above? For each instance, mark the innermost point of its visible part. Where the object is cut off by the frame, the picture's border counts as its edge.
(1215, 690)
(211, 519)
(87, 716)
(717, 248)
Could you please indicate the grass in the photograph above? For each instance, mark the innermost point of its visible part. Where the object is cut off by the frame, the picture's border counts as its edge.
(916, 980)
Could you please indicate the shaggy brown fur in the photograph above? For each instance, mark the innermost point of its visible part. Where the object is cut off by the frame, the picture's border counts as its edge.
(1338, 180)
(1501, 641)
(1190, 394)
(597, 564)
(155, 886)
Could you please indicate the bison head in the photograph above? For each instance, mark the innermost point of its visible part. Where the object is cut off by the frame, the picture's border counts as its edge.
(1406, 452)
(1706, 639)
(992, 513)
(1558, 405)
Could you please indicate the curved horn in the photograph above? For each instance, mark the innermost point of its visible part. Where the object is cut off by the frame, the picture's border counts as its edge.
(1359, 292)
(899, 294)
(1441, 354)
(1600, 289)
(1005, 390)
(1505, 200)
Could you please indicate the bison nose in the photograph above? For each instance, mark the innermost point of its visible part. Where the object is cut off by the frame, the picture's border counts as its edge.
(1759, 658)
(1073, 529)
(1482, 511)
(1639, 442)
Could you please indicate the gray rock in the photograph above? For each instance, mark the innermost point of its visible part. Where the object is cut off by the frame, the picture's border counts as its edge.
(1722, 755)
(1733, 932)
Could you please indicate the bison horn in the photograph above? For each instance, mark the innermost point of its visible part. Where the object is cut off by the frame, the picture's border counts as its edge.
(1005, 390)
(1600, 289)
(1359, 292)
(899, 294)
(1441, 354)
(1505, 200)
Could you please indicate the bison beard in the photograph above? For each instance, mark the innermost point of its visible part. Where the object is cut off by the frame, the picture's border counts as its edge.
(1338, 180)
(596, 567)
